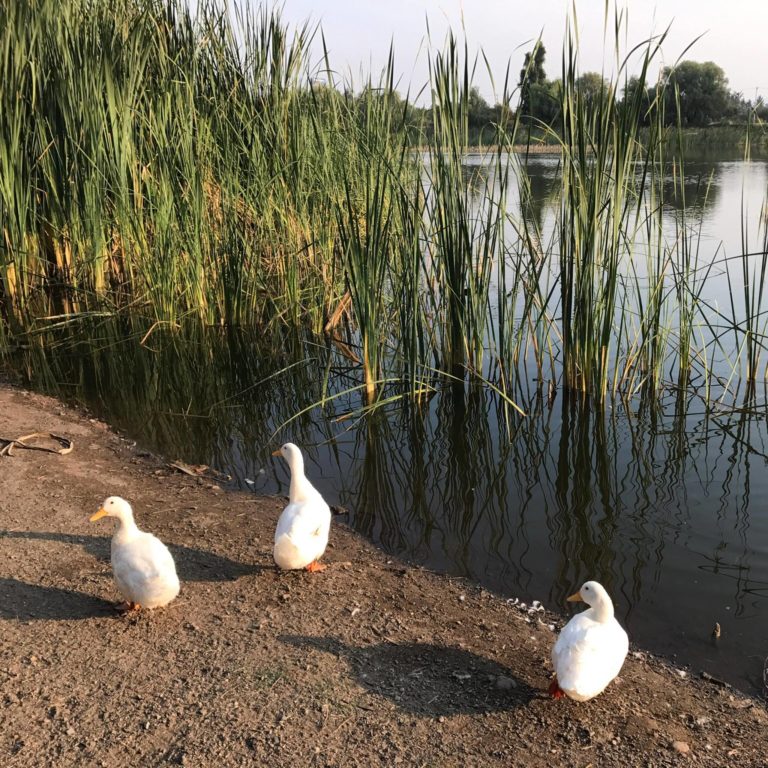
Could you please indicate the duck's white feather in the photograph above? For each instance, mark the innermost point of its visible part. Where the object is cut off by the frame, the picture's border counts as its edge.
(302, 530)
(590, 650)
(144, 570)
(588, 655)
(142, 566)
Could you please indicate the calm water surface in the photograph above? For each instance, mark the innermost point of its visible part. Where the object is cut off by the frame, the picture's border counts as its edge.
(664, 504)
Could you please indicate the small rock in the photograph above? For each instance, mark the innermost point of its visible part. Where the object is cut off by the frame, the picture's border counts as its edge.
(702, 721)
(504, 683)
(681, 747)
(462, 598)
(70, 731)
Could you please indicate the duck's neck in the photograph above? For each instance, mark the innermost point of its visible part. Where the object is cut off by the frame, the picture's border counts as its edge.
(126, 528)
(602, 611)
(301, 488)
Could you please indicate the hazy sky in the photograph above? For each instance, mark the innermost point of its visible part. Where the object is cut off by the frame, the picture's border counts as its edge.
(358, 33)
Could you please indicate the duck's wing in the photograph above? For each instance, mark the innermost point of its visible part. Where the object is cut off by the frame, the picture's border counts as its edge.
(588, 654)
(304, 519)
(143, 559)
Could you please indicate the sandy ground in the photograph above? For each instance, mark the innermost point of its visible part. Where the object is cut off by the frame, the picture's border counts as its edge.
(372, 662)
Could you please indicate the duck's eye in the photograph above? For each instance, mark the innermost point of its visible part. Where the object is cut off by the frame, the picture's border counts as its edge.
(586, 589)
(111, 502)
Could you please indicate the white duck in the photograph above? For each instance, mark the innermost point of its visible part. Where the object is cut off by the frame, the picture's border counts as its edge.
(302, 530)
(591, 648)
(143, 567)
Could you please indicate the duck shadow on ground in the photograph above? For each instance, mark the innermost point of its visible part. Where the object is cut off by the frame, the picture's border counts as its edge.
(427, 680)
(22, 601)
(191, 564)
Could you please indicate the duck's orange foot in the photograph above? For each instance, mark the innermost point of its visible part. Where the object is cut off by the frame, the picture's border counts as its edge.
(316, 566)
(127, 607)
(555, 691)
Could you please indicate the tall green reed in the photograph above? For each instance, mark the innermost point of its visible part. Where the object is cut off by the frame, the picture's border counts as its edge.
(465, 233)
(201, 168)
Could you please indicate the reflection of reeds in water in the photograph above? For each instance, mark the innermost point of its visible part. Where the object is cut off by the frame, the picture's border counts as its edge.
(572, 492)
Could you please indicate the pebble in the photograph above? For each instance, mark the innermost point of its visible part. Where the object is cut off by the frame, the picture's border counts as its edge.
(681, 746)
(504, 683)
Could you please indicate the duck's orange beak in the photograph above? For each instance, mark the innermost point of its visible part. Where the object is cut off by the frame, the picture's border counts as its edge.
(574, 598)
(98, 515)
(276, 453)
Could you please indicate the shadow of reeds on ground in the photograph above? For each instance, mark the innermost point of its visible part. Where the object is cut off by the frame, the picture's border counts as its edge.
(428, 680)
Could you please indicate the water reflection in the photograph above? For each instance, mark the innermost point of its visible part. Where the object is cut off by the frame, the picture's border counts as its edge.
(659, 501)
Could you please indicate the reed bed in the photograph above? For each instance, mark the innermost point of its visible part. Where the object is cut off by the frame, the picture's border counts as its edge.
(162, 169)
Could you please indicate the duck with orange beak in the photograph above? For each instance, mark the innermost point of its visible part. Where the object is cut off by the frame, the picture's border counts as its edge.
(302, 530)
(143, 568)
(591, 648)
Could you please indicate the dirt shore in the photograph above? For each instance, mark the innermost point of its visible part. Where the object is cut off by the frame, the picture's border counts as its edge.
(372, 662)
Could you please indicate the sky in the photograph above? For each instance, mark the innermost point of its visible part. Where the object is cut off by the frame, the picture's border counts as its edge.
(358, 34)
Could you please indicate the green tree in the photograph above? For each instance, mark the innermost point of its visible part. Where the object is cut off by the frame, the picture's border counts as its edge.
(646, 95)
(479, 115)
(532, 74)
(592, 87)
(702, 90)
(544, 101)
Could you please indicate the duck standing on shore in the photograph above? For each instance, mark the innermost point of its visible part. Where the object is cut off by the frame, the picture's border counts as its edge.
(302, 530)
(143, 567)
(591, 648)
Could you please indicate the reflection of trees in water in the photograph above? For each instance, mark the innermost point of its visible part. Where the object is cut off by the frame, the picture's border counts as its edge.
(476, 175)
(696, 191)
(539, 189)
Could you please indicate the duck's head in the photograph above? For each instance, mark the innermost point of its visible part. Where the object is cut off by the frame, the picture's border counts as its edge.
(290, 452)
(594, 595)
(114, 506)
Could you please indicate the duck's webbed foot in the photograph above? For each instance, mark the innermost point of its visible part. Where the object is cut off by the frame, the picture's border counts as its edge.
(555, 691)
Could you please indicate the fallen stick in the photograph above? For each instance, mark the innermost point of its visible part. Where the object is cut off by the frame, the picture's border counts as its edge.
(8, 444)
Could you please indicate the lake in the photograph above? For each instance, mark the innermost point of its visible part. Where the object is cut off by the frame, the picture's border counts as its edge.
(663, 501)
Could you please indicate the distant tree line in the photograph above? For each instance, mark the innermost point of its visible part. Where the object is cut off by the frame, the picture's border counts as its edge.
(697, 92)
